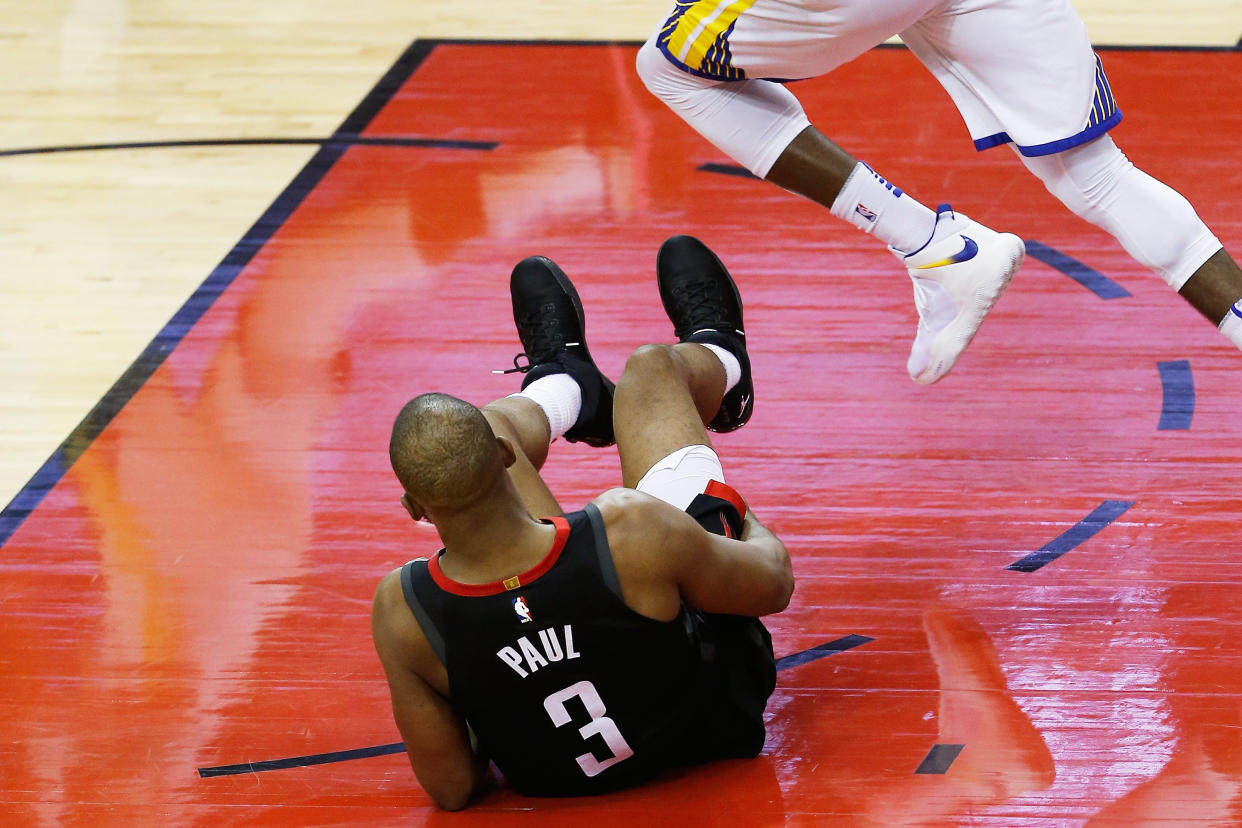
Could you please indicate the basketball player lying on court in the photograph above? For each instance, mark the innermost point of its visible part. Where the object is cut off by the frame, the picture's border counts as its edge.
(584, 652)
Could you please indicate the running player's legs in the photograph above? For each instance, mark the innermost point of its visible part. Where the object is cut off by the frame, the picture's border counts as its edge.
(709, 60)
(1025, 72)
(705, 67)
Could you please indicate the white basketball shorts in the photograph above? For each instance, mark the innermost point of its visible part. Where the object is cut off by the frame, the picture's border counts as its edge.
(1020, 71)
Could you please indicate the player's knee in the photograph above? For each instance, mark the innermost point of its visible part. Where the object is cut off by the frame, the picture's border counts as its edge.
(650, 63)
(1083, 178)
(651, 361)
(675, 87)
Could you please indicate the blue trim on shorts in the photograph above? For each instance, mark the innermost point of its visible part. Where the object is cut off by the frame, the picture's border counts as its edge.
(1104, 115)
(1036, 150)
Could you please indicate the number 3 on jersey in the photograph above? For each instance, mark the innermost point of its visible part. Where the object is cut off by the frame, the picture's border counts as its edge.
(599, 725)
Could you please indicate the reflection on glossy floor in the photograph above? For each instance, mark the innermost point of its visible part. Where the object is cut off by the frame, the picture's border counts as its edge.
(194, 591)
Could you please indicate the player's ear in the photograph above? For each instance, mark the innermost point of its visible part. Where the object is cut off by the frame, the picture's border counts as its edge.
(508, 454)
(412, 507)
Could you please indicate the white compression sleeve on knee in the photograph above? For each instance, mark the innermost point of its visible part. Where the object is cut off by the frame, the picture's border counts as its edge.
(1154, 223)
(751, 121)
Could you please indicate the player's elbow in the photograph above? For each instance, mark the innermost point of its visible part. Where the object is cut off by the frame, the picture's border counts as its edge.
(454, 800)
(782, 581)
(787, 588)
(450, 794)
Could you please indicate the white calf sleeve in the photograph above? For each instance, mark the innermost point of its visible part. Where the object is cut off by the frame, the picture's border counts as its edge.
(751, 121)
(1154, 223)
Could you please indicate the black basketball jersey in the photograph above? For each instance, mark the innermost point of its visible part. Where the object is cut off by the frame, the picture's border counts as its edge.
(568, 690)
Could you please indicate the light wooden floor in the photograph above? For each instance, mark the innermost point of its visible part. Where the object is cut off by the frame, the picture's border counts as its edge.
(98, 249)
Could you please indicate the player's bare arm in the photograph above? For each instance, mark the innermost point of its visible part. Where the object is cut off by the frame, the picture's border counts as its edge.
(436, 739)
(663, 556)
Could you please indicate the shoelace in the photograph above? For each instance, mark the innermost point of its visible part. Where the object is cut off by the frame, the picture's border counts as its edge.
(701, 302)
(540, 331)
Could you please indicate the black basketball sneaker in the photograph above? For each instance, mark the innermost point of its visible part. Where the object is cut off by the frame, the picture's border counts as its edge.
(703, 304)
(552, 330)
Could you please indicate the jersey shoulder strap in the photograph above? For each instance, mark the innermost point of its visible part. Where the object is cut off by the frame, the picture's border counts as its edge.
(418, 569)
(607, 569)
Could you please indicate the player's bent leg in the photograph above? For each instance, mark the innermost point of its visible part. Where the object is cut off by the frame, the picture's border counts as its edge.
(1153, 222)
(751, 121)
(660, 402)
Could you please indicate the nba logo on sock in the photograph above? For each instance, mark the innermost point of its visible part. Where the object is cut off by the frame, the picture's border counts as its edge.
(523, 611)
(862, 210)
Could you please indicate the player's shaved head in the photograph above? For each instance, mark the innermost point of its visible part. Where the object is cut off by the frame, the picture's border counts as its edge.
(443, 451)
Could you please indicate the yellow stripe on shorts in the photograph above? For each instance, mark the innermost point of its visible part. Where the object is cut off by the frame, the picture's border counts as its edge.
(694, 35)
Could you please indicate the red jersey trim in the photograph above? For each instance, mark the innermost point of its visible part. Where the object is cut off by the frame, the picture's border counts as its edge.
(726, 492)
(496, 587)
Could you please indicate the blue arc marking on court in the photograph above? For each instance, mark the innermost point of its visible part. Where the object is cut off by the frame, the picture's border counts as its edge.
(1091, 279)
(727, 169)
(939, 758)
(1179, 395)
(815, 653)
(1079, 533)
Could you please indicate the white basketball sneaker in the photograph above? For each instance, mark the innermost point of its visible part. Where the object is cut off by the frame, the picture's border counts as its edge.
(957, 279)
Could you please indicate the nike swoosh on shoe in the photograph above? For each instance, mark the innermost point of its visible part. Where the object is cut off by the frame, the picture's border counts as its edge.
(969, 250)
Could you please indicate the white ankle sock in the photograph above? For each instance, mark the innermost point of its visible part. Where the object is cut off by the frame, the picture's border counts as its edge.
(1231, 325)
(560, 399)
(875, 206)
(732, 368)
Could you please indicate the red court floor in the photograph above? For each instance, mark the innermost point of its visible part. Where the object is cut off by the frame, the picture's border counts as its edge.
(194, 590)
